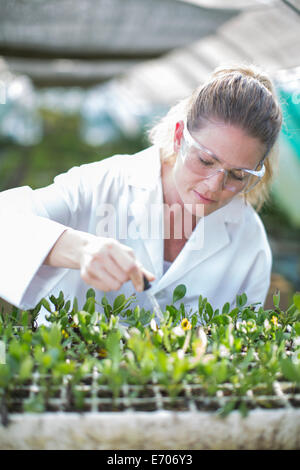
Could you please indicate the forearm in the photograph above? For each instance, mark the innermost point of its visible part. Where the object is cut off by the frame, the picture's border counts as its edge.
(67, 250)
(104, 263)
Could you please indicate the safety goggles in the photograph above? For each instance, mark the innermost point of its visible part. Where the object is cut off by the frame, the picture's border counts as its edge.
(201, 161)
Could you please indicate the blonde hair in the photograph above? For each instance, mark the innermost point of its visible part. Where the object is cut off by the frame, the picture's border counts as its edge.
(240, 95)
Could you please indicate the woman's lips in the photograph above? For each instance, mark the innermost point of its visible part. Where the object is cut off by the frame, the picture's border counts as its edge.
(203, 199)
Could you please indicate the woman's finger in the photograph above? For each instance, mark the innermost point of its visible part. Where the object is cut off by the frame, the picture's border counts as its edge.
(129, 264)
(102, 281)
(111, 267)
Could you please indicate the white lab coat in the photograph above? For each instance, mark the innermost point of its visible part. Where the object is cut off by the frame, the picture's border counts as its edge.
(235, 255)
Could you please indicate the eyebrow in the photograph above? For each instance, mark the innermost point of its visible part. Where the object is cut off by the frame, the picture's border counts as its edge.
(222, 161)
(200, 145)
(212, 153)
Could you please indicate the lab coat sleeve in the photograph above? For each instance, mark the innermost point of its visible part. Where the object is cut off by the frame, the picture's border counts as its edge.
(257, 284)
(31, 223)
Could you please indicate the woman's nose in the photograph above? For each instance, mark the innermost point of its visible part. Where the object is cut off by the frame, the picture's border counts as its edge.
(216, 181)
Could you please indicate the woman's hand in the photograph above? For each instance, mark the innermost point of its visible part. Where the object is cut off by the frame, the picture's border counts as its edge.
(107, 264)
(104, 263)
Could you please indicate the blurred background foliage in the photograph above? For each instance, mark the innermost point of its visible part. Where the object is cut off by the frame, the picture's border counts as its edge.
(60, 149)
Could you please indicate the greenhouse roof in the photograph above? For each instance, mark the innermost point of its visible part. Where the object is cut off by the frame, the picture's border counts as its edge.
(63, 42)
(266, 35)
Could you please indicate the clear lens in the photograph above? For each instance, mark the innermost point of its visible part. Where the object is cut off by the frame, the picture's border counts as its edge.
(252, 181)
(205, 166)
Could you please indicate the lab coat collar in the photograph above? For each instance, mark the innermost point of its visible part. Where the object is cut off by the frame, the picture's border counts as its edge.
(210, 236)
(144, 175)
(144, 168)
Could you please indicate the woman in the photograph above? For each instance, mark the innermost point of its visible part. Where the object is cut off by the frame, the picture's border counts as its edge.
(179, 212)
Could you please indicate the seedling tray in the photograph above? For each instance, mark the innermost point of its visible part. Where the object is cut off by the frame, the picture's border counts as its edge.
(145, 417)
(133, 398)
(87, 381)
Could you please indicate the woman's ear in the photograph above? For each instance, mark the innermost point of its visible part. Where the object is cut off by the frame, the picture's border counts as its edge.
(178, 135)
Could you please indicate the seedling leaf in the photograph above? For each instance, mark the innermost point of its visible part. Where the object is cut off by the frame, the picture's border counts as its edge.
(179, 292)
